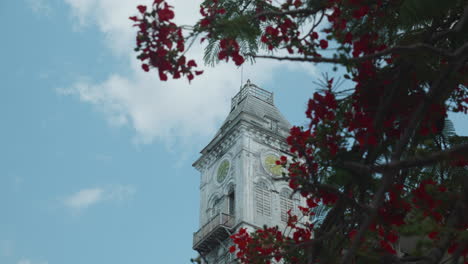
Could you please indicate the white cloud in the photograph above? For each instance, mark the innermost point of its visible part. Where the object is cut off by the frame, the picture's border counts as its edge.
(154, 109)
(28, 261)
(40, 7)
(24, 261)
(86, 197)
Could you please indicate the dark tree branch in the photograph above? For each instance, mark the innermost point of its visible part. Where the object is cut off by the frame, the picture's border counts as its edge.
(396, 49)
(387, 180)
(416, 161)
(435, 93)
(302, 11)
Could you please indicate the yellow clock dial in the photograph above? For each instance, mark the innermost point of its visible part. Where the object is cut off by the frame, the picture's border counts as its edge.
(271, 166)
(223, 170)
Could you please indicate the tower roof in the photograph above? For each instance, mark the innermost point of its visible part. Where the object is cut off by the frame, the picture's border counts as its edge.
(253, 105)
(256, 102)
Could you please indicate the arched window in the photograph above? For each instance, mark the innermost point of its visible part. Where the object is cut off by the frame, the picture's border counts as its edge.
(262, 199)
(217, 206)
(286, 203)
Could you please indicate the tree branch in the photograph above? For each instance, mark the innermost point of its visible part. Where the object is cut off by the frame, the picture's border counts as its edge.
(302, 11)
(387, 179)
(416, 161)
(395, 49)
(435, 93)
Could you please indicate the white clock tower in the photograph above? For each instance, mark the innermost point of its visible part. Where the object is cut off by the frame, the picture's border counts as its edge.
(238, 170)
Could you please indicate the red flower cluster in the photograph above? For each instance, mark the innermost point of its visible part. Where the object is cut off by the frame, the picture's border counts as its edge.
(210, 10)
(263, 244)
(161, 43)
(230, 48)
(321, 108)
(427, 201)
(284, 32)
(395, 209)
(282, 161)
(268, 244)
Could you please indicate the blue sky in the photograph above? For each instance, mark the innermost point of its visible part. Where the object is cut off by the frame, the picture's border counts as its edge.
(95, 157)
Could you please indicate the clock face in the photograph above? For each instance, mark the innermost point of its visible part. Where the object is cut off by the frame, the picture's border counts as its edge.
(223, 170)
(271, 166)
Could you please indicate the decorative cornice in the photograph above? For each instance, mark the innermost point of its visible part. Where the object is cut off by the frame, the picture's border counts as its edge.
(230, 137)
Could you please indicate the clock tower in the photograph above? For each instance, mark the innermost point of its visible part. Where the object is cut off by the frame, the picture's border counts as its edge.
(238, 170)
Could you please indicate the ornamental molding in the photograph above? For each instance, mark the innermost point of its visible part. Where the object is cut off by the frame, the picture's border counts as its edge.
(219, 150)
(224, 141)
(273, 141)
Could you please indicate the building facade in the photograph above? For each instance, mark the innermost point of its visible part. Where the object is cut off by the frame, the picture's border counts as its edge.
(239, 186)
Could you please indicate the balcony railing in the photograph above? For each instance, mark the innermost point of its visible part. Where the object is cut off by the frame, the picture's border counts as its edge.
(253, 90)
(216, 230)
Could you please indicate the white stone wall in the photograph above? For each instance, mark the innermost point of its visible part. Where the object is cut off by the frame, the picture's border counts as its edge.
(245, 149)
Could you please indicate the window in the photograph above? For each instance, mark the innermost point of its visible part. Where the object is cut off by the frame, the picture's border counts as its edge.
(272, 124)
(262, 199)
(231, 203)
(217, 204)
(286, 204)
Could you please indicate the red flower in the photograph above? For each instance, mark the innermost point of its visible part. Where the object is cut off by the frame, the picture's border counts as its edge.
(361, 11)
(323, 44)
(191, 63)
(348, 38)
(165, 14)
(232, 249)
(190, 77)
(387, 247)
(314, 35)
(392, 237)
(134, 18)
(162, 76)
(238, 59)
(145, 67)
(205, 22)
(433, 235)
(141, 8)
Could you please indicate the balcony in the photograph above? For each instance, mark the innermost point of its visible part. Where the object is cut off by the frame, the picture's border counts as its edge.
(253, 90)
(216, 230)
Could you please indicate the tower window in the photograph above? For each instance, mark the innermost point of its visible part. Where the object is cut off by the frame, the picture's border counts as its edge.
(271, 124)
(286, 204)
(231, 203)
(217, 204)
(262, 199)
